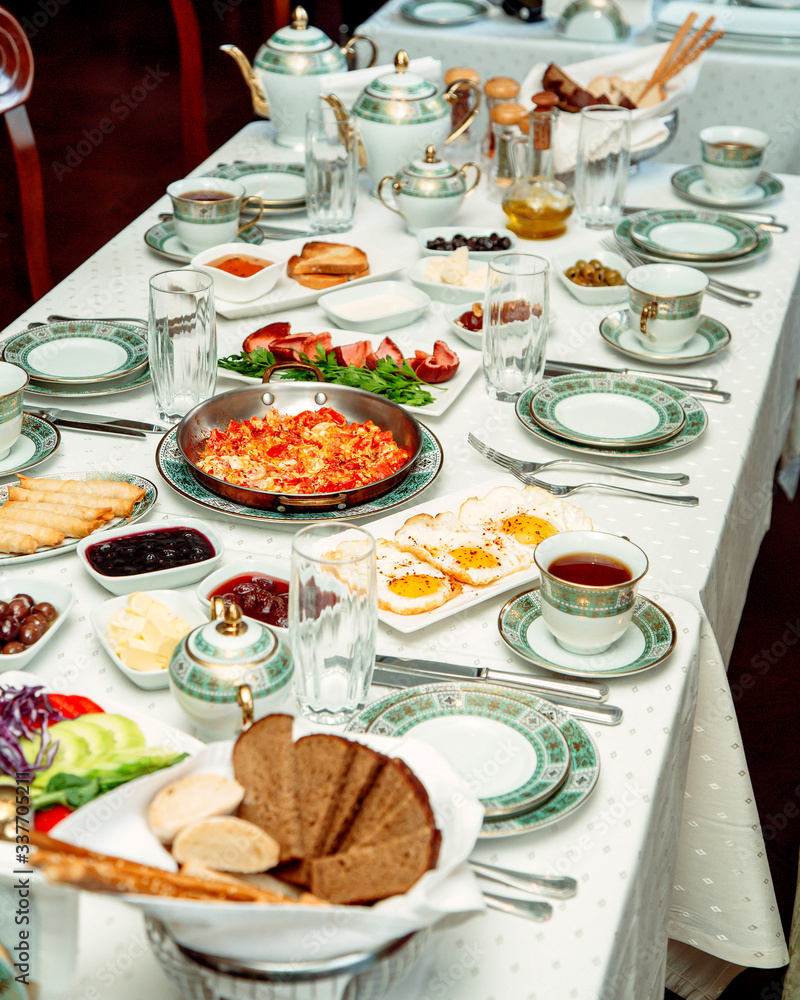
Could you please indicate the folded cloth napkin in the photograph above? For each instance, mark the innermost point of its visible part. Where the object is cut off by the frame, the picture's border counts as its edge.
(348, 86)
(647, 128)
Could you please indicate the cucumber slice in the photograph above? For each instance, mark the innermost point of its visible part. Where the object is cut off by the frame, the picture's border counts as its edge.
(99, 739)
(72, 751)
(124, 732)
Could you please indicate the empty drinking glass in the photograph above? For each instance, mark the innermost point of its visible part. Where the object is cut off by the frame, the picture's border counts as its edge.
(603, 164)
(333, 619)
(182, 341)
(331, 169)
(515, 317)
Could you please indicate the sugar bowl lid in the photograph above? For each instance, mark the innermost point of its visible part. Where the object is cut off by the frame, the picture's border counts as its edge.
(429, 166)
(228, 640)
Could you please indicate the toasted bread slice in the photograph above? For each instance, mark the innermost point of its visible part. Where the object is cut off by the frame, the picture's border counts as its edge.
(327, 280)
(328, 258)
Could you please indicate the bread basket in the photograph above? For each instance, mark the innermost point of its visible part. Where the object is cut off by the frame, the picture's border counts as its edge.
(360, 976)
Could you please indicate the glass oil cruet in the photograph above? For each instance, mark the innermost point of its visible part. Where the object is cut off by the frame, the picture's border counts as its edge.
(537, 205)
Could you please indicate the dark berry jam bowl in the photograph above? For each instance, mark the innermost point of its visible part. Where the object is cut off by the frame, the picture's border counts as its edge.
(182, 551)
(41, 591)
(255, 605)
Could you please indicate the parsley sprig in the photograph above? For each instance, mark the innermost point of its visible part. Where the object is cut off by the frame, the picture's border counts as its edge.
(395, 382)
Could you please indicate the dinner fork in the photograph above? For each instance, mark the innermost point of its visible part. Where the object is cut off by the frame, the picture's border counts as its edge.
(567, 491)
(520, 467)
(715, 288)
(533, 909)
(558, 887)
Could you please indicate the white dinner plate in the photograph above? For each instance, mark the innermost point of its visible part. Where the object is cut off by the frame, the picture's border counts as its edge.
(622, 233)
(688, 234)
(444, 12)
(281, 186)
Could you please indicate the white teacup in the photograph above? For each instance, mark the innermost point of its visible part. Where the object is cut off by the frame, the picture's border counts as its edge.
(207, 211)
(732, 158)
(13, 380)
(582, 617)
(665, 304)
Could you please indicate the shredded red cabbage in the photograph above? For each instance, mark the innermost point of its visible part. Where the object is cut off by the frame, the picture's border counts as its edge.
(25, 713)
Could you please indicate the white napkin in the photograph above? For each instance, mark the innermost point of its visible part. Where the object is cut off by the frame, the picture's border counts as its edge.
(252, 931)
(348, 86)
(647, 130)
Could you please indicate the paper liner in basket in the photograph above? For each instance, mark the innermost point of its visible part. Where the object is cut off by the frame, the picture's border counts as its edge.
(116, 824)
(647, 128)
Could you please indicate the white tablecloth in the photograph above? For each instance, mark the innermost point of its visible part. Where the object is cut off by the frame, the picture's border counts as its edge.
(610, 941)
(734, 86)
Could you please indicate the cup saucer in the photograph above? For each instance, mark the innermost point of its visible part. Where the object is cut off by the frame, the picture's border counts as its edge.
(164, 241)
(711, 338)
(650, 638)
(690, 184)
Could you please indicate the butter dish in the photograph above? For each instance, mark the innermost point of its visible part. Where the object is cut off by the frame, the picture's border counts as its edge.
(184, 607)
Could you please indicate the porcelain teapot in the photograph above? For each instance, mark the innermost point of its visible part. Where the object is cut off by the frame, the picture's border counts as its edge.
(229, 672)
(288, 73)
(400, 114)
(429, 192)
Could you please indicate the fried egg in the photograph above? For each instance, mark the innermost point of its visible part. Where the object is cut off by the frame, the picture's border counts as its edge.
(409, 586)
(473, 554)
(523, 517)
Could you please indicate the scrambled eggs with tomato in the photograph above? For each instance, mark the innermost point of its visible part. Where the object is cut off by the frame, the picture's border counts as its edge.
(312, 452)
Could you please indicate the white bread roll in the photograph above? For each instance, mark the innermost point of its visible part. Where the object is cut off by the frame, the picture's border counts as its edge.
(228, 844)
(189, 799)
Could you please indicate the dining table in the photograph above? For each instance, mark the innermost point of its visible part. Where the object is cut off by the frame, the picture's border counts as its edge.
(667, 849)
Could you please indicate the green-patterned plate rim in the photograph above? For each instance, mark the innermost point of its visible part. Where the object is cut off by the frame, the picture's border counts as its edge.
(644, 227)
(233, 171)
(622, 234)
(473, 11)
(694, 425)
(716, 335)
(176, 473)
(683, 179)
(17, 349)
(157, 236)
(670, 413)
(470, 701)
(584, 760)
(74, 392)
(46, 438)
(140, 508)
(655, 625)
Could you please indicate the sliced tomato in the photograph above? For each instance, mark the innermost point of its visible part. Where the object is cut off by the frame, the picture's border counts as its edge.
(72, 705)
(48, 818)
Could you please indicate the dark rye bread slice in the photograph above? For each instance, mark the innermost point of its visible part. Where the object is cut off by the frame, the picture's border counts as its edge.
(365, 767)
(323, 760)
(264, 763)
(396, 804)
(375, 871)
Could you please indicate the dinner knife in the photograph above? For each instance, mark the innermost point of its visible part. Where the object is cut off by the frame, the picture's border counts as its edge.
(684, 381)
(762, 219)
(78, 418)
(586, 711)
(458, 671)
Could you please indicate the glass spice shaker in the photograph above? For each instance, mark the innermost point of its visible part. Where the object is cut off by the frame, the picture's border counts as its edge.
(505, 121)
(464, 146)
(499, 88)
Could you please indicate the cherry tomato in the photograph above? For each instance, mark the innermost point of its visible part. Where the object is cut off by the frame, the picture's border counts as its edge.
(46, 820)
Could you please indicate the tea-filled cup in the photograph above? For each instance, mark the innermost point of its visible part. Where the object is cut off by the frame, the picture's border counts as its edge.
(732, 158)
(13, 380)
(207, 211)
(665, 304)
(588, 589)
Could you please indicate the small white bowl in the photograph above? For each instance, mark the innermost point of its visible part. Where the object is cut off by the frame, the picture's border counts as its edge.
(473, 337)
(177, 576)
(179, 604)
(269, 565)
(601, 295)
(453, 294)
(232, 288)
(376, 307)
(448, 232)
(59, 596)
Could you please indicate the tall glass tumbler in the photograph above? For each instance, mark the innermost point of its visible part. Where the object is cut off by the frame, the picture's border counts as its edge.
(182, 341)
(333, 619)
(603, 165)
(516, 313)
(331, 169)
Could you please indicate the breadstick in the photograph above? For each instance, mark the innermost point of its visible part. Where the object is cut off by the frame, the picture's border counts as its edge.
(667, 57)
(75, 527)
(691, 43)
(13, 541)
(76, 510)
(43, 534)
(118, 508)
(690, 58)
(94, 487)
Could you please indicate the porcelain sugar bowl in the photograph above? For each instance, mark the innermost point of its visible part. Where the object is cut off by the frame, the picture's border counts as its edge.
(288, 74)
(230, 671)
(399, 114)
(429, 192)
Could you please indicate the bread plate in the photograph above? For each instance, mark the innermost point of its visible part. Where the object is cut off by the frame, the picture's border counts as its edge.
(470, 596)
(290, 294)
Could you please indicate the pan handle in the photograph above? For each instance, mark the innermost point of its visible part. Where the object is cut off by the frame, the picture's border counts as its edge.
(331, 500)
(292, 364)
